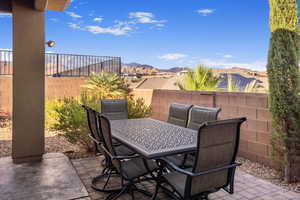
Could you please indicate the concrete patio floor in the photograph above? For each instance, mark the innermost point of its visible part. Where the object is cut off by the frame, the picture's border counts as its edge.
(58, 178)
(53, 178)
(247, 187)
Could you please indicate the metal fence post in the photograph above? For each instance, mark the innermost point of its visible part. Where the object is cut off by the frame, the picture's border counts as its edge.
(120, 66)
(57, 64)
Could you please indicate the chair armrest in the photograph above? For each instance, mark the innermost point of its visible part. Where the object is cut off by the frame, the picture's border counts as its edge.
(234, 165)
(175, 167)
(189, 173)
(117, 157)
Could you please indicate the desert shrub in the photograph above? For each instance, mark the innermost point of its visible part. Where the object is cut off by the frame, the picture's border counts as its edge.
(51, 114)
(71, 120)
(106, 86)
(68, 117)
(137, 108)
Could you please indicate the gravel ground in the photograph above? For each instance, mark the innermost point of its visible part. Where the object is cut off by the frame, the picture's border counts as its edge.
(53, 143)
(267, 173)
(56, 143)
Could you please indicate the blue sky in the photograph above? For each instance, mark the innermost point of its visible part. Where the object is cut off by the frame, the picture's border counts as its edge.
(162, 33)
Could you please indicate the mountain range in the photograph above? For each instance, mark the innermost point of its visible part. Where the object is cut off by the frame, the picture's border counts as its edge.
(241, 75)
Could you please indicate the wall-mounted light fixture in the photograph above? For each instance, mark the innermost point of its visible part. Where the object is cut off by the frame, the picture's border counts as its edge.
(50, 43)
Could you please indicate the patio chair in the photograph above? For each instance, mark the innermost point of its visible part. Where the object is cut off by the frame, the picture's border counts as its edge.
(97, 139)
(178, 114)
(199, 114)
(132, 169)
(114, 109)
(215, 163)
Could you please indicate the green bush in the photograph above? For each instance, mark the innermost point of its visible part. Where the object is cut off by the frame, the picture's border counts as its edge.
(106, 86)
(68, 117)
(137, 108)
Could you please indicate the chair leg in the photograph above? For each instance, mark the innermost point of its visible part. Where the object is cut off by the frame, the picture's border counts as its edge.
(115, 196)
(106, 173)
(132, 194)
(129, 188)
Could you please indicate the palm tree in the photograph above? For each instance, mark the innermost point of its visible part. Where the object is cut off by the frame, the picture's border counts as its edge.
(251, 87)
(200, 79)
(234, 86)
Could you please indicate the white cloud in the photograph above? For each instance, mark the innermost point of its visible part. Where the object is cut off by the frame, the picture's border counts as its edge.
(125, 27)
(98, 19)
(172, 56)
(74, 15)
(3, 15)
(115, 30)
(205, 12)
(74, 26)
(228, 56)
(54, 19)
(144, 18)
(256, 65)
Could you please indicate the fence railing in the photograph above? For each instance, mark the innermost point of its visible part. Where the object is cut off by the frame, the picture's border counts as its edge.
(58, 65)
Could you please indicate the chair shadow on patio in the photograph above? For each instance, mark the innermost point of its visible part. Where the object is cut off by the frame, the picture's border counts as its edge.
(247, 187)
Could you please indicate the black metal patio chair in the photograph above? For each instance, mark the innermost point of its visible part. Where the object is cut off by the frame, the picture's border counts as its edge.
(178, 115)
(114, 109)
(214, 166)
(132, 169)
(200, 114)
(197, 116)
(101, 181)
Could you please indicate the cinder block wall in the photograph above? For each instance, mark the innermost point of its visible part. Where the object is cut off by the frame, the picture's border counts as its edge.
(255, 133)
(55, 88)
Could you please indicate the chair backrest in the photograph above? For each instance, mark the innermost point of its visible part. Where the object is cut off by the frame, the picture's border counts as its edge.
(199, 115)
(107, 139)
(93, 126)
(217, 147)
(179, 113)
(114, 109)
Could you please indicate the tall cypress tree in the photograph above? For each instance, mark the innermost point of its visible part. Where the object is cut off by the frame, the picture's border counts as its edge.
(283, 73)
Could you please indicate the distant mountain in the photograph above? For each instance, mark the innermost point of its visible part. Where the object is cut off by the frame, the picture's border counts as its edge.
(174, 69)
(136, 68)
(147, 69)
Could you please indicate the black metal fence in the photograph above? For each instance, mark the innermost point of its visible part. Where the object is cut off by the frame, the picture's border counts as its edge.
(61, 65)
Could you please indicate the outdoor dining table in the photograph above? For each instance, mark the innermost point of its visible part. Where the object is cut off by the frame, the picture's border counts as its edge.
(152, 138)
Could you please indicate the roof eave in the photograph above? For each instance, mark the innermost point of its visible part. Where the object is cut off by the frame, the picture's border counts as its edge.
(56, 5)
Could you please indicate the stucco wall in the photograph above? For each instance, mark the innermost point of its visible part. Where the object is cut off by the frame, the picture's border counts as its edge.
(55, 88)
